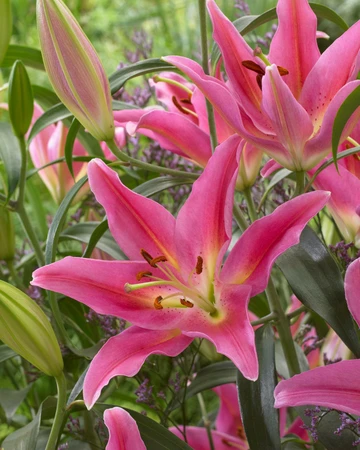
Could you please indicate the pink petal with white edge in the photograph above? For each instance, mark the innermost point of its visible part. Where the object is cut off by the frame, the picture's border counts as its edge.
(229, 329)
(320, 145)
(291, 122)
(228, 419)
(125, 354)
(203, 225)
(333, 386)
(135, 222)
(331, 72)
(294, 45)
(352, 289)
(235, 50)
(100, 285)
(177, 129)
(251, 263)
(198, 439)
(123, 431)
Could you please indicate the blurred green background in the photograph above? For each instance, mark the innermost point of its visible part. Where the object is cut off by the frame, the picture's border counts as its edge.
(172, 24)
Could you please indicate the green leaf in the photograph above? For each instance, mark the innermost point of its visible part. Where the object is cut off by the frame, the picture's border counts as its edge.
(260, 418)
(11, 156)
(44, 96)
(154, 435)
(31, 57)
(25, 438)
(280, 361)
(324, 12)
(10, 400)
(77, 389)
(69, 144)
(117, 105)
(59, 220)
(293, 446)
(159, 184)
(350, 104)
(120, 77)
(280, 175)
(317, 282)
(6, 353)
(54, 114)
(84, 232)
(5, 27)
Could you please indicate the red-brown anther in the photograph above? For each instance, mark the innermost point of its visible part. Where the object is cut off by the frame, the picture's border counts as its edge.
(157, 303)
(240, 432)
(251, 65)
(141, 275)
(179, 107)
(199, 265)
(156, 260)
(186, 100)
(186, 303)
(148, 258)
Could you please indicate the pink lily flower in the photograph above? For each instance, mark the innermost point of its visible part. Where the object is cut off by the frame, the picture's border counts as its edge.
(174, 288)
(287, 108)
(123, 431)
(333, 386)
(48, 146)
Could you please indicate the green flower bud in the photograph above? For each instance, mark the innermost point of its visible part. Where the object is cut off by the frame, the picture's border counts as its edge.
(5, 27)
(25, 328)
(7, 235)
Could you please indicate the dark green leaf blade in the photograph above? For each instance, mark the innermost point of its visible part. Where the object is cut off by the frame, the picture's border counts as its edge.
(31, 57)
(260, 418)
(69, 144)
(56, 113)
(6, 353)
(11, 156)
(159, 184)
(317, 282)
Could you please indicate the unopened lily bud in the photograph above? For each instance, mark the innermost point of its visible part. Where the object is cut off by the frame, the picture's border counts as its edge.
(25, 328)
(249, 166)
(5, 27)
(74, 68)
(7, 235)
(21, 100)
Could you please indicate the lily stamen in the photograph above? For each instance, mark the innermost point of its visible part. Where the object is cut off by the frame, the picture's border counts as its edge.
(181, 108)
(143, 274)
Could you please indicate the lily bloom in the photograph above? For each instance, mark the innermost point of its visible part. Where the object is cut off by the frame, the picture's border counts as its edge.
(333, 386)
(174, 287)
(284, 104)
(123, 431)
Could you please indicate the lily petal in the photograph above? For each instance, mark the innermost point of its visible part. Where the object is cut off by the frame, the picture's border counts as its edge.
(291, 122)
(230, 330)
(206, 215)
(125, 354)
(294, 44)
(352, 289)
(333, 386)
(330, 73)
(228, 419)
(135, 222)
(249, 262)
(123, 431)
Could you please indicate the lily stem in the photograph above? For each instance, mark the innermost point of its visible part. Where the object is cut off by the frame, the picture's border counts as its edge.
(240, 218)
(283, 323)
(205, 66)
(206, 421)
(300, 183)
(297, 312)
(265, 319)
(146, 166)
(57, 426)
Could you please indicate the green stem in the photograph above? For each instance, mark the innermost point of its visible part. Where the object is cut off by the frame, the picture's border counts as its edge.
(265, 319)
(146, 166)
(283, 327)
(250, 205)
(300, 183)
(205, 66)
(297, 312)
(207, 423)
(21, 206)
(240, 218)
(57, 426)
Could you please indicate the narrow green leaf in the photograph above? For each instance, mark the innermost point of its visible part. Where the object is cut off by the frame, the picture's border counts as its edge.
(87, 231)
(90, 144)
(117, 105)
(95, 237)
(69, 144)
(21, 101)
(260, 418)
(25, 438)
(324, 12)
(120, 77)
(59, 220)
(6, 353)
(44, 96)
(351, 103)
(10, 400)
(293, 446)
(77, 389)
(55, 114)
(159, 184)
(280, 175)
(5, 27)
(31, 57)
(280, 361)
(317, 282)
(11, 156)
